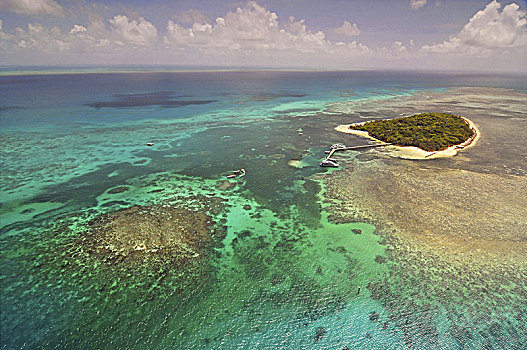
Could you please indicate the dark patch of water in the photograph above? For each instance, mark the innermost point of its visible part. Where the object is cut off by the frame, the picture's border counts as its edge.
(164, 99)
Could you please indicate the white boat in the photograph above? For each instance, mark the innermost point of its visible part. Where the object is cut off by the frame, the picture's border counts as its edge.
(329, 163)
(337, 146)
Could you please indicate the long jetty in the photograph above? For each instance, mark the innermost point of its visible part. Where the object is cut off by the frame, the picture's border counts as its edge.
(330, 152)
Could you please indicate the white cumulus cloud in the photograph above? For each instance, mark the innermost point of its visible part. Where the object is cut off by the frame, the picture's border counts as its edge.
(37, 37)
(396, 50)
(31, 7)
(415, 4)
(78, 29)
(139, 32)
(120, 35)
(250, 28)
(250, 34)
(348, 29)
(488, 30)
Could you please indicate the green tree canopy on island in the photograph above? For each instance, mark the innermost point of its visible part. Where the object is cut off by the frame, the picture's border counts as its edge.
(428, 131)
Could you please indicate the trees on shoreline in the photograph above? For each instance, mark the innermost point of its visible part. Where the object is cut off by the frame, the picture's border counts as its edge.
(428, 131)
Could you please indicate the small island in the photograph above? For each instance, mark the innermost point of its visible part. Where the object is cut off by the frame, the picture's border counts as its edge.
(419, 136)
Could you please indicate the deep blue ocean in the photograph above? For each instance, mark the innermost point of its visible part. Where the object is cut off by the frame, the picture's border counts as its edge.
(74, 147)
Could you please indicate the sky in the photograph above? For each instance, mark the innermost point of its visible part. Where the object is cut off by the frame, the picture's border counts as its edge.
(478, 35)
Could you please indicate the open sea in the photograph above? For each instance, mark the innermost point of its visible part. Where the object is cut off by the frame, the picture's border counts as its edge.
(276, 274)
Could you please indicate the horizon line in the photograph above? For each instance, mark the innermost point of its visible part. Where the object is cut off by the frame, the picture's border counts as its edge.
(15, 70)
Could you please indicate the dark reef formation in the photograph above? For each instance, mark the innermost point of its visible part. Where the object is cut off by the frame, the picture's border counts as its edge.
(162, 232)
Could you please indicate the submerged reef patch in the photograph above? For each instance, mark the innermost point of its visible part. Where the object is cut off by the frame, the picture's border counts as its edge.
(161, 232)
(164, 99)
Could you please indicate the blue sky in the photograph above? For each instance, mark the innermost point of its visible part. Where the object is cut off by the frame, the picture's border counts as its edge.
(400, 34)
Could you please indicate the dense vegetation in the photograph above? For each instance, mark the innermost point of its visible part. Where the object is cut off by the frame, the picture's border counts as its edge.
(428, 131)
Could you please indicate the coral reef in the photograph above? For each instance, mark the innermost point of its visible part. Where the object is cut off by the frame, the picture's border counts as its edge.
(162, 232)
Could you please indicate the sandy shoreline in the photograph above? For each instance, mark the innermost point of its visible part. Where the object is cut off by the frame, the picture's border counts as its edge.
(411, 152)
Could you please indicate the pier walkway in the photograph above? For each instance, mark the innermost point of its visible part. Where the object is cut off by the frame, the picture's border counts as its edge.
(333, 150)
(331, 162)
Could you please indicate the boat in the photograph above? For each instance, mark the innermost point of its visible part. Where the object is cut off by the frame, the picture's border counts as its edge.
(236, 173)
(329, 163)
(150, 144)
(337, 146)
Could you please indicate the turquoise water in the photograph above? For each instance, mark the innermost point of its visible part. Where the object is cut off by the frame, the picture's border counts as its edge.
(279, 273)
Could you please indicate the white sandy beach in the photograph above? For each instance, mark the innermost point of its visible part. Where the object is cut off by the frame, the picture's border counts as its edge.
(410, 152)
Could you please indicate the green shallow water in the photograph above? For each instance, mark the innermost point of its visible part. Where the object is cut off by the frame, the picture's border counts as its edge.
(271, 280)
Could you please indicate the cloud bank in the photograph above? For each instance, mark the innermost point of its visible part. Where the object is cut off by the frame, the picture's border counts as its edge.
(31, 7)
(253, 35)
(487, 31)
(249, 29)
